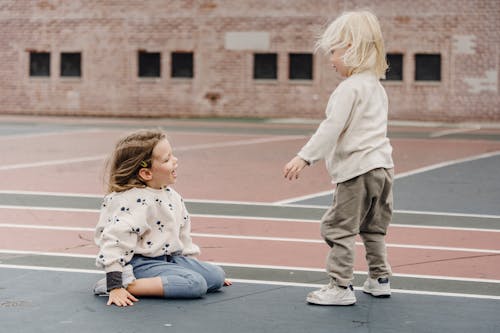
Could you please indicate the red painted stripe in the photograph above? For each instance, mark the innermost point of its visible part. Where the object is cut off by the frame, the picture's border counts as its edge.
(407, 261)
(267, 228)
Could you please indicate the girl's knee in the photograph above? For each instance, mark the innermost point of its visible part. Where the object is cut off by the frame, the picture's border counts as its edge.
(198, 286)
(190, 285)
(215, 279)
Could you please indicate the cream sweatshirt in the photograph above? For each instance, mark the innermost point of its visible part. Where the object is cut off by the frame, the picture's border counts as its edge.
(353, 138)
(142, 221)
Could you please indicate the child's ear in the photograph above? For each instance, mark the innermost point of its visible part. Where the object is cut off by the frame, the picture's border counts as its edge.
(145, 174)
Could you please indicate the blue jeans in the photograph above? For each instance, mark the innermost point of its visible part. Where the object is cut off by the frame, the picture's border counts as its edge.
(182, 277)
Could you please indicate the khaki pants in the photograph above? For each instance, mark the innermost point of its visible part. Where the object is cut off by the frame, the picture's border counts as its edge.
(362, 205)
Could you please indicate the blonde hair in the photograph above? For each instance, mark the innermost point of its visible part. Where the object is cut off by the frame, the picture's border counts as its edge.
(360, 33)
(132, 152)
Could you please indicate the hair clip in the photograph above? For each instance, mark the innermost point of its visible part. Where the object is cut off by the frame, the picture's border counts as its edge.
(144, 164)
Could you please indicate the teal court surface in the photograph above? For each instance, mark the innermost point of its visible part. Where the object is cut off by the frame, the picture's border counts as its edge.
(443, 244)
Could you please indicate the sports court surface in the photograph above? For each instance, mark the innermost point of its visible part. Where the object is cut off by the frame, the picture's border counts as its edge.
(443, 244)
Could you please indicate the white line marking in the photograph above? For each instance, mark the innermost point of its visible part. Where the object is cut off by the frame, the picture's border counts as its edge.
(257, 218)
(415, 212)
(415, 226)
(445, 164)
(305, 197)
(454, 131)
(56, 209)
(406, 174)
(294, 268)
(317, 221)
(50, 254)
(65, 131)
(398, 291)
(279, 283)
(247, 203)
(240, 142)
(254, 218)
(186, 148)
(61, 194)
(259, 238)
(44, 227)
(310, 269)
(319, 241)
(53, 162)
(231, 202)
(53, 269)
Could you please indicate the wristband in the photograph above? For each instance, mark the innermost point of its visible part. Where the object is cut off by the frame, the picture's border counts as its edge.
(113, 280)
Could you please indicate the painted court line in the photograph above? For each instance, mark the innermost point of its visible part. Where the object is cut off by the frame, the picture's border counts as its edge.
(260, 238)
(279, 283)
(53, 162)
(400, 175)
(67, 131)
(305, 197)
(398, 291)
(235, 202)
(445, 164)
(292, 268)
(309, 269)
(454, 131)
(261, 219)
(186, 148)
(423, 212)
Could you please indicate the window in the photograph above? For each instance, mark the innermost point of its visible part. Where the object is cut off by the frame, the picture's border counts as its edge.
(149, 64)
(300, 66)
(395, 71)
(182, 64)
(427, 67)
(265, 66)
(71, 64)
(39, 64)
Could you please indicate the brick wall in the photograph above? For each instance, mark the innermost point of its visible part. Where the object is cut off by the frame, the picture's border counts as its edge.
(109, 35)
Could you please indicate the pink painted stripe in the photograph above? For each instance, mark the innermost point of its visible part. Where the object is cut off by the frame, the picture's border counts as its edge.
(259, 252)
(268, 228)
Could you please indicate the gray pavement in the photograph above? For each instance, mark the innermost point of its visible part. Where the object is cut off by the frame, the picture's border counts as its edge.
(61, 302)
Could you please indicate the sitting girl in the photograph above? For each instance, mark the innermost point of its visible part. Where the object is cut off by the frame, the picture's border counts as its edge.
(144, 228)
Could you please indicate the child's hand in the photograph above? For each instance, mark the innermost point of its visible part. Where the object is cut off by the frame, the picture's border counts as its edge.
(294, 167)
(121, 297)
(227, 282)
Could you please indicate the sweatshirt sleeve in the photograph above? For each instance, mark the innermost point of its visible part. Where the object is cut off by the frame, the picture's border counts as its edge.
(325, 138)
(120, 225)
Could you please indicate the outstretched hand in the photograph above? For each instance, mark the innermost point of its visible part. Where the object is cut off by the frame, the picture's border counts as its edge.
(227, 282)
(121, 297)
(294, 167)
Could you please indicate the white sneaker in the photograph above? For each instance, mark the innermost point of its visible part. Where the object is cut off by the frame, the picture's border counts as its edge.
(128, 277)
(332, 294)
(380, 287)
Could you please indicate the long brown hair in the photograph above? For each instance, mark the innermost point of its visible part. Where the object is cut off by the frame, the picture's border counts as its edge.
(132, 153)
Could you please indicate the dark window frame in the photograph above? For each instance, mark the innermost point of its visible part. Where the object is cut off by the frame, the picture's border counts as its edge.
(424, 63)
(182, 65)
(148, 64)
(71, 64)
(39, 64)
(265, 66)
(395, 71)
(301, 66)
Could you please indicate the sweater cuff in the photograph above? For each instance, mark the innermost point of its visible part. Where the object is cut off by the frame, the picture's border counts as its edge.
(308, 161)
(113, 280)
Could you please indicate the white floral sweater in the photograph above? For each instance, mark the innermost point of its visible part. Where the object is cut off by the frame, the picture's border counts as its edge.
(142, 221)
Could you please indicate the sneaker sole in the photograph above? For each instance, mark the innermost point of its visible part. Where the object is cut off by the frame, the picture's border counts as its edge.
(381, 294)
(317, 302)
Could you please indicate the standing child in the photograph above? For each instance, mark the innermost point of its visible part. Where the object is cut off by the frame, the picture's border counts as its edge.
(353, 141)
(144, 228)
